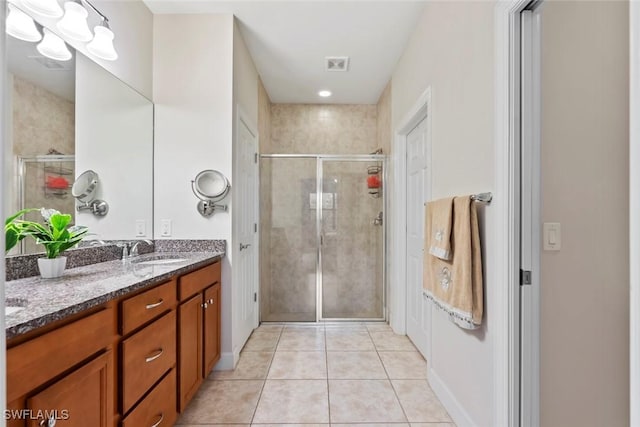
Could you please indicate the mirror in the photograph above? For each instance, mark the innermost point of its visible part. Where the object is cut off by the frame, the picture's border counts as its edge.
(67, 117)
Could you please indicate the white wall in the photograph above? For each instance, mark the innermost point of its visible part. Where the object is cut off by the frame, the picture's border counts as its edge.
(452, 51)
(114, 137)
(193, 95)
(584, 287)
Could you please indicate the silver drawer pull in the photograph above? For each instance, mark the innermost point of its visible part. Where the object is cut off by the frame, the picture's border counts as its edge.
(210, 301)
(155, 304)
(159, 421)
(51, 422)
(205, 305)
(155, 356)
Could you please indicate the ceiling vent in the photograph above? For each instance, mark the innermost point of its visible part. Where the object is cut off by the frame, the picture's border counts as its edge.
(336, 63)
(49, 63)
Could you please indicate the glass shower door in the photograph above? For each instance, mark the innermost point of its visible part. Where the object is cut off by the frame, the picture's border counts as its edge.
(352, 243)
(288, 240)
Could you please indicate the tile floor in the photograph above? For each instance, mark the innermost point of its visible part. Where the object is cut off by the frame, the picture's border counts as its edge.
(350, 373)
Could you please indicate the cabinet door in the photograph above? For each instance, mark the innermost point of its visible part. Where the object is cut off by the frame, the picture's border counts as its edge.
(190, 345)
(82, 398)
(211, 328)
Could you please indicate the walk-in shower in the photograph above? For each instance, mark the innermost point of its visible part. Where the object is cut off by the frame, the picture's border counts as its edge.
(322, 240)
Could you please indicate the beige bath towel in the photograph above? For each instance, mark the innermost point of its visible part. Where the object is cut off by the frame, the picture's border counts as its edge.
(439, 239)
(455, 286)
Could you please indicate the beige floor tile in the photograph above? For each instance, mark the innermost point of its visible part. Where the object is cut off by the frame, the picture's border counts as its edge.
(355, 365)
(290, 425)
(293, 401)
(389, 341)
(371, 425)
(347, 340)
(433, 425)
(345, 327)
(364, 401)
(304, 327)
(419, 401)
(253, 365)
(269, 328)
(401, 365)
(214, 425)
(378, 327)
(262, 341)
(298, 365)
(302, 340)
(225, 402)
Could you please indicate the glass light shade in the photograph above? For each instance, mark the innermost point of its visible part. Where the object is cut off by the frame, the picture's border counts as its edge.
(73, 24)
(102, 44)
(53, 47)
(48, 8)
(21, 26)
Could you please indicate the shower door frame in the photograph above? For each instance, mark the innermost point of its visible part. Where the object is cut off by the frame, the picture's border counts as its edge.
(320, 158)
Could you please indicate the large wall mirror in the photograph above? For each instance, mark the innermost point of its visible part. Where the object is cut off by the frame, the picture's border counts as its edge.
(66, 117)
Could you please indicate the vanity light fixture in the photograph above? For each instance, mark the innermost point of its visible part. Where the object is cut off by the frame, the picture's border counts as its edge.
(324, 93)
(73, 24)
(53, 47)
(21, 26)
(102, 43)
(48, 8)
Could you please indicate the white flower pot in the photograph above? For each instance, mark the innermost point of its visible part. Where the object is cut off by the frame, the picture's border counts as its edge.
(52, 267)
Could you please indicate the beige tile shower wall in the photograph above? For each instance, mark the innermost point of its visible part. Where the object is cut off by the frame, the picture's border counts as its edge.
(264, 130)
(323, 129)
(384, 120)
(352, 270)
(41, 121)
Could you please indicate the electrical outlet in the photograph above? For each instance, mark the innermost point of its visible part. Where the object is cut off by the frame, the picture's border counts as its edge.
(165, 228)
(141, 228)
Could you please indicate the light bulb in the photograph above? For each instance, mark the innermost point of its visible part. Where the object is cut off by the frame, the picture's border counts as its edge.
(102, 44)
(53, 47)
(48, 8)
(324, 93)
(74, 22)
(21, 26)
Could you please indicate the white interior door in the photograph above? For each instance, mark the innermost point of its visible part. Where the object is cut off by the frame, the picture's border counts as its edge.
(418, 308)
(245, 194)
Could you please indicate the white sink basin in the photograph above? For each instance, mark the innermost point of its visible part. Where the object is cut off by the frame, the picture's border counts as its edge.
(10, 310)
(163, 261)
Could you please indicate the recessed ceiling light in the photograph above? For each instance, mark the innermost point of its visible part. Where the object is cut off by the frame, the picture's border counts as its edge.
(324, 93)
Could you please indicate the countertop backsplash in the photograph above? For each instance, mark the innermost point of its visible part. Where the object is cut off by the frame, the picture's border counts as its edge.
(22, 266)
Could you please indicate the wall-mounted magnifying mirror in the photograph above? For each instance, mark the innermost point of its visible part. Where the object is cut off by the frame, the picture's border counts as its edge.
(85, 189)
(210, 186)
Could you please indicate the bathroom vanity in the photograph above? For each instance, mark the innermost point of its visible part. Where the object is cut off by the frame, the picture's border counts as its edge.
(113, 343)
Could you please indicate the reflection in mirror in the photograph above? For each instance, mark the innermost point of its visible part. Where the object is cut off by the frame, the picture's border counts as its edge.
(64, 118)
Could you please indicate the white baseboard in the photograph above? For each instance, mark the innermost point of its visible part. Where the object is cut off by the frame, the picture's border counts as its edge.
(227, 361)
(457, 412)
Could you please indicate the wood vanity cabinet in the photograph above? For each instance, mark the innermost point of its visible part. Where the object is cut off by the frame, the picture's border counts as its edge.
(66, 373)
(198, 329)
(148, 357)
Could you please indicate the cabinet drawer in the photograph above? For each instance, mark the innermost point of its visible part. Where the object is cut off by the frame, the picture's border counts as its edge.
(158, 408)
(34, 362)
(147, 356)
(194, 282)
(141, 308)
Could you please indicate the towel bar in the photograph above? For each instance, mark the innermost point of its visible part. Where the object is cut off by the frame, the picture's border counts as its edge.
(480, 198)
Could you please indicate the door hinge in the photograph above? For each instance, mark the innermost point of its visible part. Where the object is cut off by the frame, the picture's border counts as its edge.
(255, 227)
(255, 157)
(525, 277)
(255, 297)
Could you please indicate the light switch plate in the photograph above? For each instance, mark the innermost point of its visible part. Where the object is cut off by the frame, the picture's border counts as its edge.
(551, 236)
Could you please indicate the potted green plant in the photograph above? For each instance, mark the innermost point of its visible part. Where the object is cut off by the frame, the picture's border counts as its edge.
(55, 235)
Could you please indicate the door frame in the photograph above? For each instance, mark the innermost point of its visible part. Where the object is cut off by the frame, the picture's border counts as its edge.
(506, 300)
(634, 211)
(420, 111)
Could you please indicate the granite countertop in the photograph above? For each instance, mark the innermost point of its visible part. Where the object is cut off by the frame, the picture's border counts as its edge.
(47, 300)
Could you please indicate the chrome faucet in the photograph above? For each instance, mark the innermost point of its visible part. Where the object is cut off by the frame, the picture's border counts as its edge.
(130, 249)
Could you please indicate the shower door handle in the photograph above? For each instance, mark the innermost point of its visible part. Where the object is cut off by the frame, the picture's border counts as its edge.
(244, 246)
